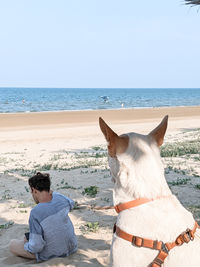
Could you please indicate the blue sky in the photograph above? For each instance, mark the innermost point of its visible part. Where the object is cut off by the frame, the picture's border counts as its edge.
(99, 43)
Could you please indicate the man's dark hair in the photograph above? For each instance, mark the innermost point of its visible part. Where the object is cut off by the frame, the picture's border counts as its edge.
(40, 181)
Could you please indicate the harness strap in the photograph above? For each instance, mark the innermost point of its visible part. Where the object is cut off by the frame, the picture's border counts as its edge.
(163, 248)
(131, 204)
(136, 202)
(139, 241)
(159, 260)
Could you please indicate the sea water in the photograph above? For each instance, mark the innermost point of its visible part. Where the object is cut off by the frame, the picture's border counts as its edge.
(57, 99)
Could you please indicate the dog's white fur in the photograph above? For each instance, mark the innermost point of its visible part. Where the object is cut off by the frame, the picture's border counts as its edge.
(138, 173)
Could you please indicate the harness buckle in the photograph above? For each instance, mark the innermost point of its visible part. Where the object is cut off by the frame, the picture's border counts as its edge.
(185, 237)
(156, 263)
(190, 234)
(164, 248)
(133, 240)
(138, 242)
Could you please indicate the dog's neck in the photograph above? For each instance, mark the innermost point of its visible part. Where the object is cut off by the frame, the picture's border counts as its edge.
(139, 177)
(122, 195)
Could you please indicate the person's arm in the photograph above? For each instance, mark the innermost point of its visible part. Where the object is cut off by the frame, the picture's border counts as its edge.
(69, 201)
(36, 242)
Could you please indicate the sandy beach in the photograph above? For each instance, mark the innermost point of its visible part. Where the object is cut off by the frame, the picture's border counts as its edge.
(87, 116)
(71, 147)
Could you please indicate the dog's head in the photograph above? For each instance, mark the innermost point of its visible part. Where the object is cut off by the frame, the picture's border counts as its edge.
(134, 161)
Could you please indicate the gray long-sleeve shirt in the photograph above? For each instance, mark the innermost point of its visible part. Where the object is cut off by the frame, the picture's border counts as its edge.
(51, 230)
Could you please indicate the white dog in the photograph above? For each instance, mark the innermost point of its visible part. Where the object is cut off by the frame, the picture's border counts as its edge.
(156, 214)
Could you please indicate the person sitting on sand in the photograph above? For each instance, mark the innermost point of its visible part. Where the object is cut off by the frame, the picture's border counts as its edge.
(51, 230)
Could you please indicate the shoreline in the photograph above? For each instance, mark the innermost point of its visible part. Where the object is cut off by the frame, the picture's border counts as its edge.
(106, 109)
(15, 120)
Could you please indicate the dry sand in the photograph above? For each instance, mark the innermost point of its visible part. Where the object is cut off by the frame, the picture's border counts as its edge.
(71, 147)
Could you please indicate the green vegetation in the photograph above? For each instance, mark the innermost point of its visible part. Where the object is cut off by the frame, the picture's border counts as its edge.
(92, 226)
(66, 186)
(94, 171)
(181, 148)
(22, 171)
(105, 199)
(6, 195)
(56, 157)
(26, 188)
(99, 155)
(196, 175)
(97, 148)
(197, 186)
(82, 172)
(22, 206)
(90, 191)
(6, 225)
(174, 169)
(46, 167)
(179, 181)
(76, 205)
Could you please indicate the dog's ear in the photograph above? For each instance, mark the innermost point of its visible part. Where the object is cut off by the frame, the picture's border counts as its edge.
(159, 132)
(116, 144)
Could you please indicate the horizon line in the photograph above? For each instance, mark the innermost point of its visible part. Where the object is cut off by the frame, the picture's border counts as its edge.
(30, 87)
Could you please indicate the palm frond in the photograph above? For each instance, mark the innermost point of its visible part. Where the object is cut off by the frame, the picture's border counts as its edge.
(192, 2)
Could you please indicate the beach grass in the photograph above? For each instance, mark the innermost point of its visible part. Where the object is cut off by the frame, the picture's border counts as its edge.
(179, 149)
(179, 181)
(90, 191)
(89, 227)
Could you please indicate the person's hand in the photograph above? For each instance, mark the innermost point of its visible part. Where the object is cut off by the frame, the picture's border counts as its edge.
(25, 240)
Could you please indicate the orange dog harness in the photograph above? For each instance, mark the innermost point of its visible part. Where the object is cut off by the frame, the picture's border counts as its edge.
(162, 247)
(131, 204)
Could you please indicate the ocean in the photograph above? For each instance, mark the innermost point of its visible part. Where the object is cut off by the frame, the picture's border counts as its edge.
(14, 100)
